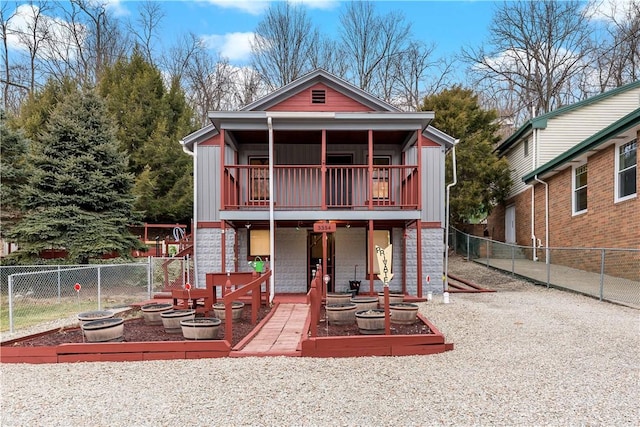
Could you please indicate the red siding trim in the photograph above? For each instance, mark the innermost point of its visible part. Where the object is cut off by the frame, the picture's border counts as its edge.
(426, 142)
(209, 224)
(335, 101)
(431, 224)
(214, 140)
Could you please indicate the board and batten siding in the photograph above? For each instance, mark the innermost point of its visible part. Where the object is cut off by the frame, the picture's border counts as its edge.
(567, 130)
(208, 175)
(433, 194)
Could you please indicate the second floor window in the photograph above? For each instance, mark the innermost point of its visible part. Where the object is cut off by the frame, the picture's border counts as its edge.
(580, 189)
(626, 170)
(259, 179)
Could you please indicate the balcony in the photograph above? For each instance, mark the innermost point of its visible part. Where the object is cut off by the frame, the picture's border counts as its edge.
(312, 187)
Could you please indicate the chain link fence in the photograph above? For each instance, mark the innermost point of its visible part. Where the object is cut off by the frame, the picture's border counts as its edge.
(31, 295)
(610, 274)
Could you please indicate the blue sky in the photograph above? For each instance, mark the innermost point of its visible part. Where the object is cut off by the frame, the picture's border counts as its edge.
(448, 24)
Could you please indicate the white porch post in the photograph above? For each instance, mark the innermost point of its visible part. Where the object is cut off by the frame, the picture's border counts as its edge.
(271, 217)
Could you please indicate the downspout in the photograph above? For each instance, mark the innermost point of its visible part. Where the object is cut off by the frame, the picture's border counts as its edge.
(534, 147)
(445, 279)
(195, 208)
(546, 217)
(272, 264)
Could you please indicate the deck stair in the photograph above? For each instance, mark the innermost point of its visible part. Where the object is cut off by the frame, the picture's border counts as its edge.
(460, 285)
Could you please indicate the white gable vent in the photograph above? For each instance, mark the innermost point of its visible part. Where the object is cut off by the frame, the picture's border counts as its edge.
(318, 96)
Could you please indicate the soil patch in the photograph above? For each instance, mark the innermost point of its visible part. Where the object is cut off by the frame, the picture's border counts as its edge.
(325, 330)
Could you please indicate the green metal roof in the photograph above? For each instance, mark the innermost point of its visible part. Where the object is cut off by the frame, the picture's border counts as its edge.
(621, 125)
(540, 122)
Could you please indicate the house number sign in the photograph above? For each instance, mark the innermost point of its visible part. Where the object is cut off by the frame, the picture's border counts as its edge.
(324, 227)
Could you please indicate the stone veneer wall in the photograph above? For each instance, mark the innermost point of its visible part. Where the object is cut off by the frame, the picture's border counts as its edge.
(432, 260)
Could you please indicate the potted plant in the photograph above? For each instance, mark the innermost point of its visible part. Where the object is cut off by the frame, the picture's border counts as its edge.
(171, 319)
(237, 307)
(110, 329)
(338, 298)
(89, 316)
(394, 297)
(341, 314)
(200, 328)
(151, 312)
(370, 321)
(365, 303)
(403, 313)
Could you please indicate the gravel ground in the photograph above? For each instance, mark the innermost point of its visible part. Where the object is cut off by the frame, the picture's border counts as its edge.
(524, 356)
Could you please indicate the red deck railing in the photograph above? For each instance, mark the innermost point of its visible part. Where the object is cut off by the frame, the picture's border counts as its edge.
(301, 187)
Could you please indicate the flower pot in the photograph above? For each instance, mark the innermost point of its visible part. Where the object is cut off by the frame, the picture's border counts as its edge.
(110, 329)
(341, 314)
(394, 297)
(365, 303)
(89, 316)
(403, 313)
(171, 319)
(237, 308)
(370, 321)
(338, 298)
(151, 312)
(200, 328)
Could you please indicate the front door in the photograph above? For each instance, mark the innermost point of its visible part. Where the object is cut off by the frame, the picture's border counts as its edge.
(339, 180)
(314, 257)
(510, 224)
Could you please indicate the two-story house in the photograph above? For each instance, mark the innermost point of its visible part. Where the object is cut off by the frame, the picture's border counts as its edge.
(318, 173)
(575, 176)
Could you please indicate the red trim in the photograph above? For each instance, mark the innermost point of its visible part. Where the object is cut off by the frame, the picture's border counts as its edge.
(209, 224)
(323, 178)
(431, 225)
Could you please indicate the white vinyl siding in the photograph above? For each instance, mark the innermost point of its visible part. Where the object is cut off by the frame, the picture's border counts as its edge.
(566, 130)
(626, 170)
(579, 187)
(520, 166)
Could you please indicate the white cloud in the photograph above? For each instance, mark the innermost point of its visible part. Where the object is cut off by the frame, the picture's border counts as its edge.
(254, 7)
(319, 4)
(604, 10)
(234, 46)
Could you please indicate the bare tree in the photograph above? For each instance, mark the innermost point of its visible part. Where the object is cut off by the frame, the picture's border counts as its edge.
(374, 43)
(149, 20)
(283, 44)
(537, 49)
(8, 83)
(34, 36)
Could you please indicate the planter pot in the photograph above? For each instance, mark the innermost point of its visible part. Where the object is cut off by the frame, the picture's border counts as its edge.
(341, 314)
(201, 328)
(237, 308)
(110, 329)
(370, 321)
(338, 298)
(365, 303)
(394, 297)
(403, 313)
(151, 312)
(89, 316)
(171, 320)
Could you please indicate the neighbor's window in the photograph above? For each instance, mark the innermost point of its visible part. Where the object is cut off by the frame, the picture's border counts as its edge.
(626, 170)
(258, 243)
(259, 179)
(381, 177)
(580, 189)
(381, 238)
(526, 147)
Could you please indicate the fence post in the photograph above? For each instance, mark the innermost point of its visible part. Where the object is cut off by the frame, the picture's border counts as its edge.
(468, 253)
(513, 260)
(487, 252)
(548, 260)
(602, 275)
(99, 290)
(149, 279)
(10, 290)
(59, 287)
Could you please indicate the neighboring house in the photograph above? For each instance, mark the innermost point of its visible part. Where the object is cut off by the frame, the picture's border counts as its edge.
(583, 157)
(320, 154)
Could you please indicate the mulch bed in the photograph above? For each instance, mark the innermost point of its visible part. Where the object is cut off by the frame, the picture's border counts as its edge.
(136, 330)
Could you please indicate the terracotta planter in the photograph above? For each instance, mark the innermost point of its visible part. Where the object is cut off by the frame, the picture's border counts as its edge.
(341, 314)
(338, 298)
(370, 321)
(403, 313)
(151, 312)
(171, 320)
(200, 328)
(365, 303)
(237, 308)
(89, 316)
(110, 329)
(394, 297)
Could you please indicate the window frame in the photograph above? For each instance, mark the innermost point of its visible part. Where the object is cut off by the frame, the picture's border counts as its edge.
(617, 171)
(575, 189)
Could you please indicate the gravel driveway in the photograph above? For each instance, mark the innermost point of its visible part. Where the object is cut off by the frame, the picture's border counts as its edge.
(524, 356)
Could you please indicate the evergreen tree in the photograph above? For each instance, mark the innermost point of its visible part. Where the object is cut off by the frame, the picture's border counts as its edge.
(13, 173)
(79, 195)
(483, 178)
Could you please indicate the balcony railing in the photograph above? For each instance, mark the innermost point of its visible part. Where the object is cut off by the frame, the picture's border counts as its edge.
(302, 187)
